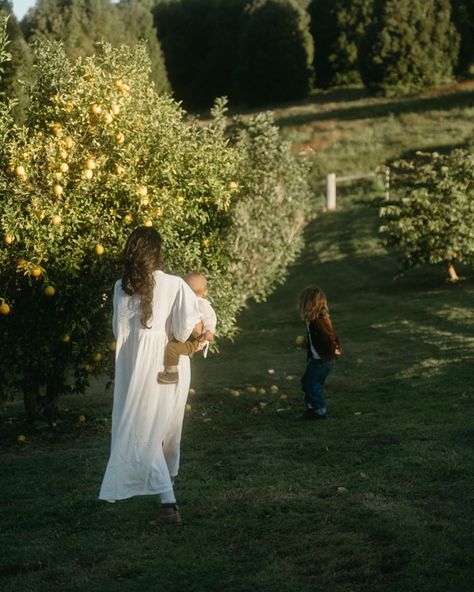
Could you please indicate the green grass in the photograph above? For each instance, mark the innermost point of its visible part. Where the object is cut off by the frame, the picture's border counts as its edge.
(378, 498)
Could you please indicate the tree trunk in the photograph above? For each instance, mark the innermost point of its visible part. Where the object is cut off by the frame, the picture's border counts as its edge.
(54, 389)
(31, 401)
(453, 276)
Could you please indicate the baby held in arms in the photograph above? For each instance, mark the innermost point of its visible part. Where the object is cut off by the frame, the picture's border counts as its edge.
(174, 348)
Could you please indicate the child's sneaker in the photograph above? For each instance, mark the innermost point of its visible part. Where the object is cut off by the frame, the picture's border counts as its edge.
(168, 377)
(170, 516)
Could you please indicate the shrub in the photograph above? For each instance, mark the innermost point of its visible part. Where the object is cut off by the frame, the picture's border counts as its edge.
(433, 220)
(275, 53)
(411, 45)
(463, 18)
(337, 27)
(101, 153)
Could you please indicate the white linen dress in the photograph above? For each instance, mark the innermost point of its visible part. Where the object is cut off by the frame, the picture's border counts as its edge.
(147, 417)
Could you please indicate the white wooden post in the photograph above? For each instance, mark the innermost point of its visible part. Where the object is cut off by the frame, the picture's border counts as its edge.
(387, 182)
(331, 191)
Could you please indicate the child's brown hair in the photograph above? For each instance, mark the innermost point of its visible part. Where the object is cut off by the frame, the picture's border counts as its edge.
(313, 304)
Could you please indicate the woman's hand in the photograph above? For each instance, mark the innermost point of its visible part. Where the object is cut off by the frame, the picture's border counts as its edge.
(198, 329)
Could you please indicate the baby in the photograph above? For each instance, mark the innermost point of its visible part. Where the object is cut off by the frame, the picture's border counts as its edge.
(174, 348)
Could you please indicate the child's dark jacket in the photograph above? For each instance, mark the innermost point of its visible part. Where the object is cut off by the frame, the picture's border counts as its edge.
(324, 340)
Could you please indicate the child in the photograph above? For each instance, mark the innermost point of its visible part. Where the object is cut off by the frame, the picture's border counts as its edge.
(174, 348)
(323, 348)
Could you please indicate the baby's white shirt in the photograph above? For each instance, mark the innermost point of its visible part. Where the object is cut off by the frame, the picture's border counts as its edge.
(208, 315)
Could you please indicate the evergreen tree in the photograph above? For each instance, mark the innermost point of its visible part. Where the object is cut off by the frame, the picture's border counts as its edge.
(81, 24)
(463, 18)
(411, 45)
(338, 27)
(200, 43)
(276, 52)
(19, 70)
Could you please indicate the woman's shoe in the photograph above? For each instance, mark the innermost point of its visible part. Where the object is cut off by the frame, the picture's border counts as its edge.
(170, 515)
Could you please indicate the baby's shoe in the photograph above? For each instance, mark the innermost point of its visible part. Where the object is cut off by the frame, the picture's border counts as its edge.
(168, 377)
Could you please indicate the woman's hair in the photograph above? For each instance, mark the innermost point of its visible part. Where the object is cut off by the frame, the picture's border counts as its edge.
(141, 257)
(313, 304)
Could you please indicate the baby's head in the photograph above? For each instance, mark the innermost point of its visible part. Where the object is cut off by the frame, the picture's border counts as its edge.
(198, 283)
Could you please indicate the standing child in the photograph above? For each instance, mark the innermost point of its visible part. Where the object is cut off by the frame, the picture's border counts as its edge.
(323, 348)
(197, 340)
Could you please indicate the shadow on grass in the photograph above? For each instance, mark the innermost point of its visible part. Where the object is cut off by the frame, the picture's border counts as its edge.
(445, 102)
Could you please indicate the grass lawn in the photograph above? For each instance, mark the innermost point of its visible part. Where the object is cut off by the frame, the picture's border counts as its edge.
(377, 498)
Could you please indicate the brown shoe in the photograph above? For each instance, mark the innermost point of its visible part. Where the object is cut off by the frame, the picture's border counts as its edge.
(170, 515)
(168, 377)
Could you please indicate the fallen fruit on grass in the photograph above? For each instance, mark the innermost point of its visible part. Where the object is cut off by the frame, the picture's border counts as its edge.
(21, 439)
(234, 393)
(299, 340)
(191, 392)
(283, 397)
(188, 408)
(253, 411)
(89, 368)
(274, 389)
(81, 418)
(49, 291)
(290, 377)
(262, 404)
(66, 338)
(262, 391)
(251, 389)
(271, 371)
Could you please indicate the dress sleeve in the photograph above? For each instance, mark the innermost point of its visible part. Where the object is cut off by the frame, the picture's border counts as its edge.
(185, 312)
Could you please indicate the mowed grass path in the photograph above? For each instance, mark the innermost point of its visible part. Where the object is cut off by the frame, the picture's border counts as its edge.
(379, 497)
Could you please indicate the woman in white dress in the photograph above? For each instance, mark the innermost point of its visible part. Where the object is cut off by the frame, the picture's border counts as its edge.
(150, 307)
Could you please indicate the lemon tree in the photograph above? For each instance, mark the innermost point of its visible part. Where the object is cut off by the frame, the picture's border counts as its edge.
(101, 153)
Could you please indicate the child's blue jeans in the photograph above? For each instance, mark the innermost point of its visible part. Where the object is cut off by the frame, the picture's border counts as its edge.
(312, 383)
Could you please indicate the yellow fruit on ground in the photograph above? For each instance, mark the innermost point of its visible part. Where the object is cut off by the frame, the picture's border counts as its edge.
(262, 404)
(99, 249)
(262, 391)
(5, 309)
(49, 291)
(127, 219)
(8, 239)
(21, 439)
(188, 408)
(142, 190)
(251, 389)
(58, 190)
(56, 219)
(97, 357)
(36, 272)
(191, 392)
(20, 170)
(234, 393)
(274, 389)
(96, 109)
(81, 418)
(64, 167)
(148, 223)
(119, 169)
(66, 338)
(91, 164)
(119, 138)
(299, 340)
(283, 397)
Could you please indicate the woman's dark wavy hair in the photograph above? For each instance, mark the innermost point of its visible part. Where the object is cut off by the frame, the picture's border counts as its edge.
(141, 257)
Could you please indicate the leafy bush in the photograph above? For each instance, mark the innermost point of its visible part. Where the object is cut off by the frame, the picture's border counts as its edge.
(101, 153)
(463, 18)
(433, 220)
(337, 27)
(275, 53)
(411, 44)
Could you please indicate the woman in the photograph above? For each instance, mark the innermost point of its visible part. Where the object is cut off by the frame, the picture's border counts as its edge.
(150, 307)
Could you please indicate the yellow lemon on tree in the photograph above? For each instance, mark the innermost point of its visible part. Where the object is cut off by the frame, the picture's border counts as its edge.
(5, 308)
(115, 109)
(88, 174)
(64, 167)
(58, 190)
(299, 341)
(89, 368)
(99, 249)
(113, 346)
(81, 418)
(20, 170)
(108, 118)
(119, 138)
(148, 223)
(57, 128)
(8, 239)
(127, 219)
(66, 338)
(63, 154)
(233, 186)
(49, 291)
(96, 109)
(97, 357)
(142, 190)
(36, 272)
(91, 164)
(69, 142)
(21, 439)
(119, 169)
(69, 106)
(56, 219)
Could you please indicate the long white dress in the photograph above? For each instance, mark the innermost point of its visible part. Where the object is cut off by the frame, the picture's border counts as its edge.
(147, 417)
